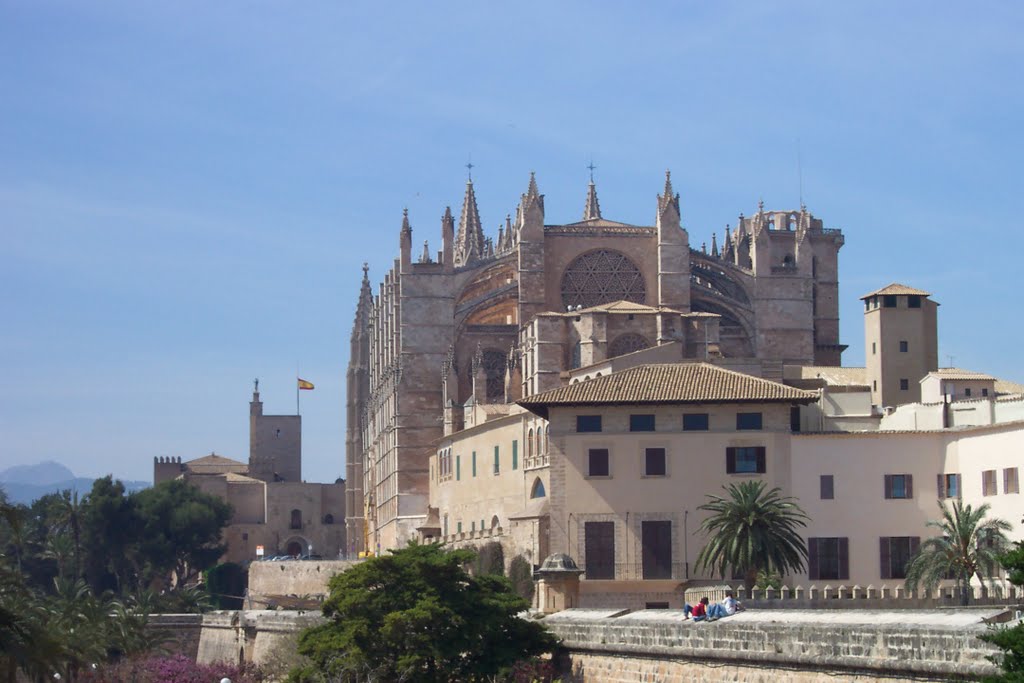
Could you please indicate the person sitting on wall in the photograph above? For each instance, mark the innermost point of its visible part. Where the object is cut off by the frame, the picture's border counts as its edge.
(728, 607)
(699, 612)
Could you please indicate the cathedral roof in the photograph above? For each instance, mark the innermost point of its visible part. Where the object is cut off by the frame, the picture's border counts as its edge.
(897, 288)
(667, 384)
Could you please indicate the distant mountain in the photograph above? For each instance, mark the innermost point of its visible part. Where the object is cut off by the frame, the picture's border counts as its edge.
(25, 483)
(40, 474)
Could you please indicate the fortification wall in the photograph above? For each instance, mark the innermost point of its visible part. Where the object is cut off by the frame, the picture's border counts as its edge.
(627, 649)
(259, 636)
(296, 578)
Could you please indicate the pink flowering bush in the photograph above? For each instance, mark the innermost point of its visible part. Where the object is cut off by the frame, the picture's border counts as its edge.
(170, 669)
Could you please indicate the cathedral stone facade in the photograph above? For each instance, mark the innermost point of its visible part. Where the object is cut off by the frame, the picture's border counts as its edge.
(447, 339)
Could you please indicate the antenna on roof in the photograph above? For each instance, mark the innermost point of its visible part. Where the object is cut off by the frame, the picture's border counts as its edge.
(799, 173)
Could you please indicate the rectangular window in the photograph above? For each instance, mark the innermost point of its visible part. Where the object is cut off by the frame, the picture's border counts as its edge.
(988, 483)
(599, 561)
(828, 559)
(654, 462)
(904, 347)
(515, 454)
(472, 526)
(889, 301)
(695, 422)
(497, 461)
(899, 486)
(895, 553)
(748, 420)
(984, 391)
(874, 348)
(745, 460)
(913, 301)
(458, 528)
(657, 549)
(967, 391)
(597, 463)
(588, 423)
(828, 491)
(904, 384)
(458, 467)
(949, 486)
(641, 423)
(474, 463)
(1010, 482)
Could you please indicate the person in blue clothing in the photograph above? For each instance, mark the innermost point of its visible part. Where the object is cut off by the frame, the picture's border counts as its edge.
(726, 608)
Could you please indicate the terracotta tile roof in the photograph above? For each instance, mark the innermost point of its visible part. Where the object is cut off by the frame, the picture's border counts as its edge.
(835, 375)
(958, 373)
(216, 464)
(897, 288)
(1004, 386)
(669, 383)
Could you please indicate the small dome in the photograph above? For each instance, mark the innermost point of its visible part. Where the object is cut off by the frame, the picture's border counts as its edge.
(559, 562)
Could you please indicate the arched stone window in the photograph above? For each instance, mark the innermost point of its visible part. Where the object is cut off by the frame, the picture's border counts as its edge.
(529, 443)
(577, 356)
(328, 518)
(495, 367)
(537, 491)
(627, 343)
(537, 448)
(494, 522)
(296, 519)
(600, 277)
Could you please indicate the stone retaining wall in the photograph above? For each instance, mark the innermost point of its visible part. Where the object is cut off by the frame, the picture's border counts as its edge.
(611, 649)
(297, 578)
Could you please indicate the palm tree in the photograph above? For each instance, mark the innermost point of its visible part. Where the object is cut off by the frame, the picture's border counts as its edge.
(969, 544)
(753, 530)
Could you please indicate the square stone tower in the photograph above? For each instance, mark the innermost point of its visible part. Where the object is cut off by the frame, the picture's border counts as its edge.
(901, 343)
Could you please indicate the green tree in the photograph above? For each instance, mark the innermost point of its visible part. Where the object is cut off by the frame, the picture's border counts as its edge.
(110, 528)
(968, 545)
(417, 615)
(1010, 640)
(752, 530)
(181, 530)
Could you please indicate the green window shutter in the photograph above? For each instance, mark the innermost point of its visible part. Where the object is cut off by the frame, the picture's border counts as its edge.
(515, 454)
(458, 467)
(497, 461)
(474, 463)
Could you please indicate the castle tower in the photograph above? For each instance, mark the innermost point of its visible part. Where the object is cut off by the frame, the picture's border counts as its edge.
(900, 342)
(275, 444)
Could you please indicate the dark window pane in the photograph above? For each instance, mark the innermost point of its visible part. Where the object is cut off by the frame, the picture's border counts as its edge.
(748, 420)
(913, 302)
(655, 462)
(588, 423)
(641, 423)
(695, 422)
(597, 462)
(657, 550)
(600, 549)
(889, 301)
(904, 347)
(827, 487)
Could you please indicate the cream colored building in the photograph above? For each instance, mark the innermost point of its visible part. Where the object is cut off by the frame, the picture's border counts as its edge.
(272, 507)
(611, 466)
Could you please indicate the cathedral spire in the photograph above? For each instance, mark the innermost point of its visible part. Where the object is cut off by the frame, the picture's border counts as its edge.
(592, 209)
(469, 242)
(668, 199)
(405, 240)
(714, 244)
(425, 256)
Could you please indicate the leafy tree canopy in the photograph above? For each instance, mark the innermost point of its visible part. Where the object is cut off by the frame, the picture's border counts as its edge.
(752, 530)
(417, 615)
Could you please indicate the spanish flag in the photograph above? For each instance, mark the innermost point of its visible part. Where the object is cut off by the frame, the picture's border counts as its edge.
(303, 384)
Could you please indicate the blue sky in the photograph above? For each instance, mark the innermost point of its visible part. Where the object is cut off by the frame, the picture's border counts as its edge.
(188, 190)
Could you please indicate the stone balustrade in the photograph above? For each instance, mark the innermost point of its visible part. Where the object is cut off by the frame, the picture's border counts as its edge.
(843, 596)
